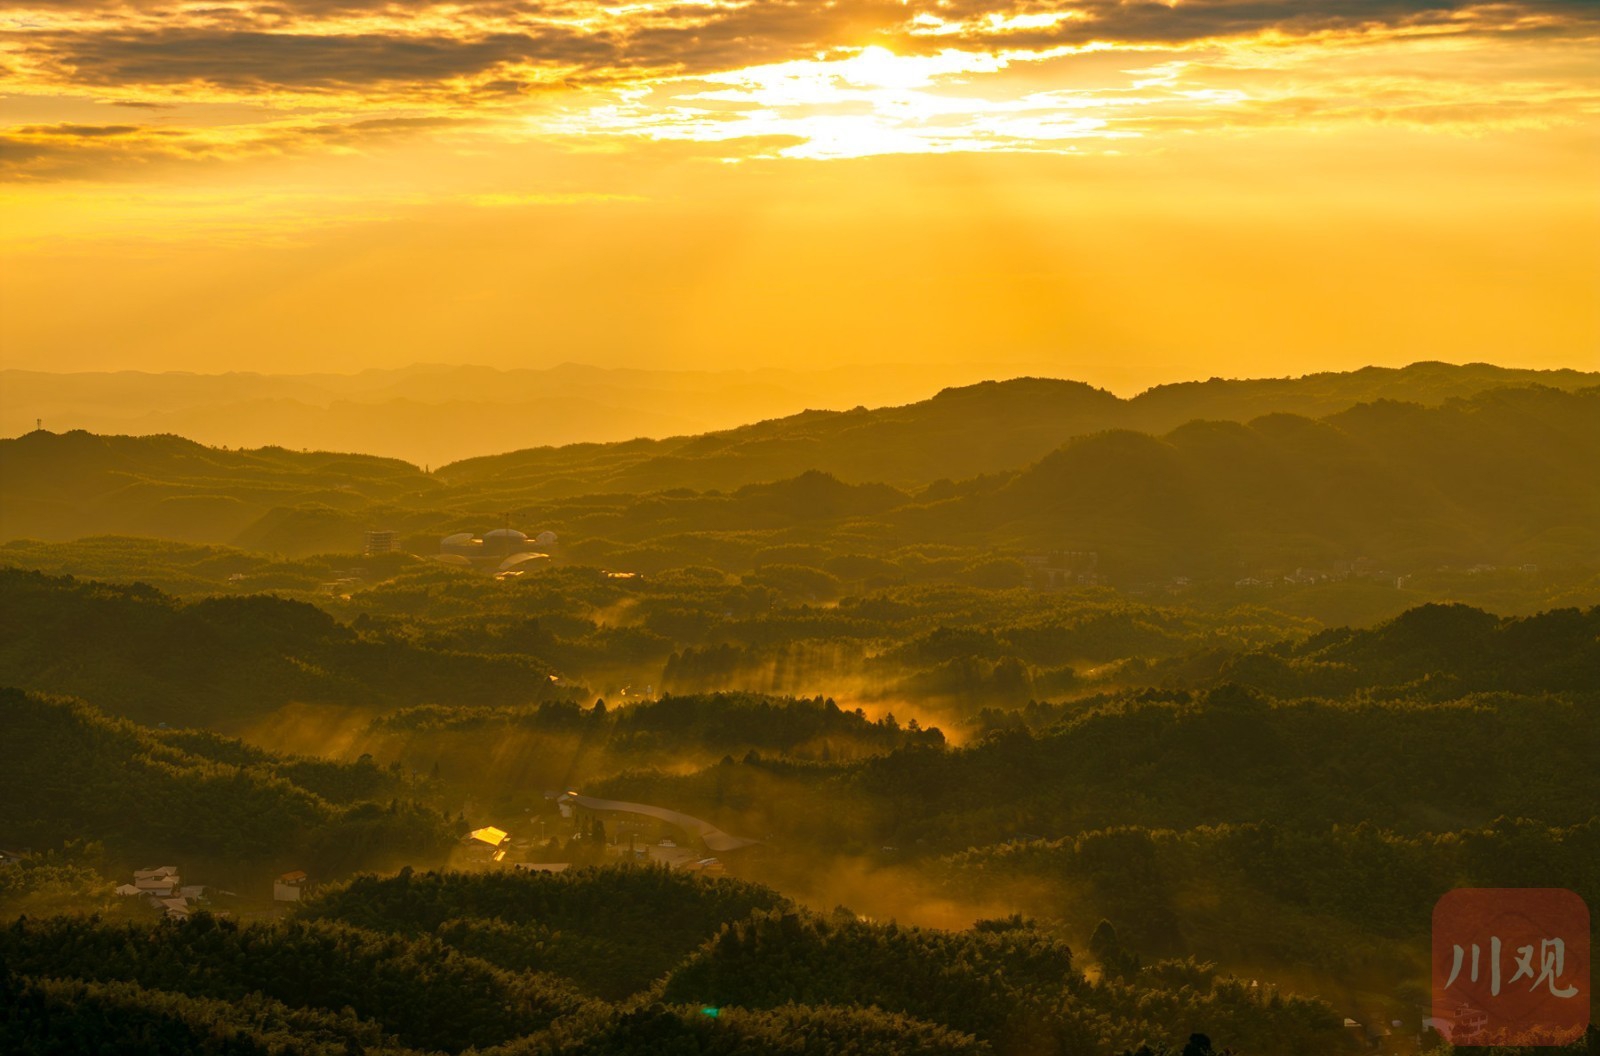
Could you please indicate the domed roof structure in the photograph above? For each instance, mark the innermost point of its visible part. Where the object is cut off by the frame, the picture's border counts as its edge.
(504, 541)
(461, 543)
(545, 538)
(517, 559)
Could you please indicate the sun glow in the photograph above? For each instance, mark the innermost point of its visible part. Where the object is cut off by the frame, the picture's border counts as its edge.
(869, 101)
(165, 159)
(872, 73)
(878, 67)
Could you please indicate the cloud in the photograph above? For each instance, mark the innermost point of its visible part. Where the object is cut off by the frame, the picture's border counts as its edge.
(945, 74)
(313, 48)
(253, 61)
(68, 151)
(72, 131)
(62, 151)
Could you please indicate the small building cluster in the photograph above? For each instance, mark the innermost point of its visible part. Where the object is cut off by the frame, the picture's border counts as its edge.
(1062, 568)
(1461, 1024)
(163, 888)
(1338, 572)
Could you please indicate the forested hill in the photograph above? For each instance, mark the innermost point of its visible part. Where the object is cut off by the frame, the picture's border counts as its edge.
(1502, 477)
(1434, 652)
(224, 661)
(960, 432)
(73, 484)
(963, 432)
(71, 773)
(509, 965)
(1505, 475)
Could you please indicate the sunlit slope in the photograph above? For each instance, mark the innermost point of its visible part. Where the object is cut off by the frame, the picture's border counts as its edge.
(72, 772)
(1377, 725)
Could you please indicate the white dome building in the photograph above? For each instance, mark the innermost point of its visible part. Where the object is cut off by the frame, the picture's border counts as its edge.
(499, 551)
(463, 543)
(504, 541)
(519, 559)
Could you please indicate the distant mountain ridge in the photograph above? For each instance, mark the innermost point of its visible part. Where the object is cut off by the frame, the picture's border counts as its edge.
(961, 432)
(433, 414)
(1504, 475)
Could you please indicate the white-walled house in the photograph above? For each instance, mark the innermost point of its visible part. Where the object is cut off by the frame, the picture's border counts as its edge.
(290, 886)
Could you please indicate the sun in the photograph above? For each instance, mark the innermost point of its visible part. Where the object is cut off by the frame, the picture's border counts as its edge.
(877, 67)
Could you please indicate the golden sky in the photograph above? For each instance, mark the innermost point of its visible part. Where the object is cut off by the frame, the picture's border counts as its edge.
(1124, 192)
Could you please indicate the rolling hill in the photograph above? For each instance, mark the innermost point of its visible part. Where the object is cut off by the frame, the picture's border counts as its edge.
(961, 432)
(1503, 476)
(224, 661)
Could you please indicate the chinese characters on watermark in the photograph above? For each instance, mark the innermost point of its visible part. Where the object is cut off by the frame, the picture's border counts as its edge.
(1510, 966)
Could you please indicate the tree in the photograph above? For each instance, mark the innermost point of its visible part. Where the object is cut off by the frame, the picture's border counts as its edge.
(1107, 948)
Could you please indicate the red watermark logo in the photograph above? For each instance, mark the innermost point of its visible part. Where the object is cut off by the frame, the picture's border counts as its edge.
(1510, 966)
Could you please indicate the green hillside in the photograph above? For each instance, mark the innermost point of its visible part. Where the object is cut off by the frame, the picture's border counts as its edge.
(409, 976)
(69, 773)
(1503, 477)
(1023, 721)
(224, 661)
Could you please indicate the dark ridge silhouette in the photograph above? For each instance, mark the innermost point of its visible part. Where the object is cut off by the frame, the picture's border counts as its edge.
(1504, 476)
(224, 661)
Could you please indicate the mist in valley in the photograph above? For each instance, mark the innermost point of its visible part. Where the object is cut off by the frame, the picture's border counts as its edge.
(1142, 737)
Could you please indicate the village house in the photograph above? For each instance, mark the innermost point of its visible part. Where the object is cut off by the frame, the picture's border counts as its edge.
(162, 887)
(488, 844)
(290, 886)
